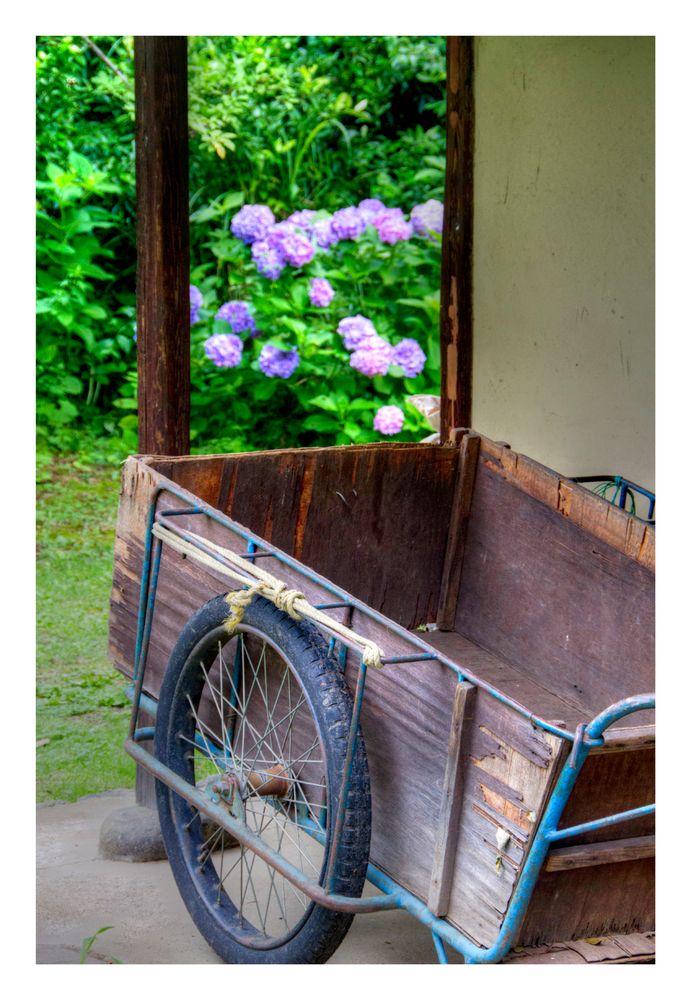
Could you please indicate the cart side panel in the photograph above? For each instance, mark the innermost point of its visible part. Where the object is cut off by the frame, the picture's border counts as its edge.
(373, 519)
(600, 898)
(183, 585)
(509, 768)
(573, 612)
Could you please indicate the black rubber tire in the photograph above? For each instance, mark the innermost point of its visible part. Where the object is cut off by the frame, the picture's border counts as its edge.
(331, 704)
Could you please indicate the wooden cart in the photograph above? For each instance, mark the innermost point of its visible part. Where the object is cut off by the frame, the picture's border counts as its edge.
(489, 776)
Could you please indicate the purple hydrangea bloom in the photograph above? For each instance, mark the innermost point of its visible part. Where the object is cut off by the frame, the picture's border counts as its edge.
(373, 357)
(321, 292)
(252, 223)
(409, 356)
(196, 302)
(224, 349)
(270, 262)
(277, 363)
(428, 217)
(356, 331)
(297, 249)
(391, 225)
(323, 233)
(303, 218)
(388, 420)
(348, 223)
(238, 315)
(278, 233)
(371, 205)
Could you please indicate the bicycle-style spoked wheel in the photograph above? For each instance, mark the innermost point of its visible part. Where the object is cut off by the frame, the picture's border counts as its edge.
(259, 720)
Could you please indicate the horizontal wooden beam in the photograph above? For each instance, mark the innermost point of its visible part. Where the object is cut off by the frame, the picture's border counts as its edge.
(607, 853)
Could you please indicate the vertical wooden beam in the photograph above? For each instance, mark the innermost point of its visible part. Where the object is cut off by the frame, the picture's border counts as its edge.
(452, 794)
(456, 331)
(163, 267)
(450, 587)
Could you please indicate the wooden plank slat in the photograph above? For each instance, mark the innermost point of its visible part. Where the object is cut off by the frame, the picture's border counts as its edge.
(458, 524)
(447, 824)
(628, 535)
(609, 852)
(568, 610)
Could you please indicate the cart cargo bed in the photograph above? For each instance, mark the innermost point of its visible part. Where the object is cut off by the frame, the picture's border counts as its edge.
(539, 591)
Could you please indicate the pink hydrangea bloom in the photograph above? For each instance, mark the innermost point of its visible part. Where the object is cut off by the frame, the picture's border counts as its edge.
(356, 330)
(389, 420)
(373, 358)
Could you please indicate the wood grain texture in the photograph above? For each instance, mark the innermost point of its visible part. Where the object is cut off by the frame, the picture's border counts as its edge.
(163, 302)
(456, 317)
(606, 899)
(374, 520)
(334, 506)
(458, 523)
(571, 612)
(449, 815)
(619, 949)
(628, 535)
(609, 852)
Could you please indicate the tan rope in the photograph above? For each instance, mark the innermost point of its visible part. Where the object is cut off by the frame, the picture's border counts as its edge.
(258, 581)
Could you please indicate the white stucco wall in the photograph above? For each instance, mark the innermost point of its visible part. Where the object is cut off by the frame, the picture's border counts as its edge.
(564, 251)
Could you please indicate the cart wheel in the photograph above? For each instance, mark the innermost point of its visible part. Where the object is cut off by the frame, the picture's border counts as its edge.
(259, 719)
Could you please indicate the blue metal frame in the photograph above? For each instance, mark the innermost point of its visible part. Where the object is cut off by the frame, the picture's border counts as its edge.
(623, 488)
(585, 738)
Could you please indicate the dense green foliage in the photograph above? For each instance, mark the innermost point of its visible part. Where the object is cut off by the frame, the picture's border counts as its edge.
(294, 123)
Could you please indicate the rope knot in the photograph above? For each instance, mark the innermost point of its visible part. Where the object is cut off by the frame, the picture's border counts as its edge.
(285, 599)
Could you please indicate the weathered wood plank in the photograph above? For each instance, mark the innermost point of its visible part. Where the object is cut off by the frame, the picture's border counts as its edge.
(163, 266)
(589, 855)
(606, 899)
(447, 824)
(628, 535)
(456, 315)
(458, 524)
(573, 613)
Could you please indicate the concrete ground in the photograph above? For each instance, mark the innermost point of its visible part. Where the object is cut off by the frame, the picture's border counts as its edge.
(78, 893)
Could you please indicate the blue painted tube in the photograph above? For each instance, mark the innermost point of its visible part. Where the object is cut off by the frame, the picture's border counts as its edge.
(439, 946)
(145, 733)
(598, 824)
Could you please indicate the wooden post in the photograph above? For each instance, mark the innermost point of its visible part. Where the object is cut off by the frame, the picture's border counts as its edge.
(456, 331)
(163, 268)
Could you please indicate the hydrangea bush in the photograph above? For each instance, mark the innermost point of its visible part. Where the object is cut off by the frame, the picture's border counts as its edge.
(328, 322)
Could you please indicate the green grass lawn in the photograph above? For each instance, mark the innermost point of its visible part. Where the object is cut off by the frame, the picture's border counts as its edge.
(82, 713)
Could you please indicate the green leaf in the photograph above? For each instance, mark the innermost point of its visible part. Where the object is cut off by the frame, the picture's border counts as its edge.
(71, 385)
(318, 422)
(94, 271)
(324, 403)
(96, 312)
(352, 430)
(125, 404)
(362, 404)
